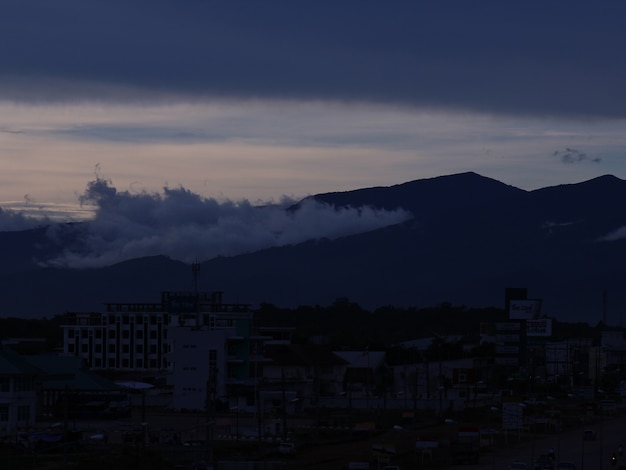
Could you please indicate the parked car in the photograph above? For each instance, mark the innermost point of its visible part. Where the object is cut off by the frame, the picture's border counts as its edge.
(544, 462)
(519, 466)
(286, 448)
(566, 466)
(589, 435)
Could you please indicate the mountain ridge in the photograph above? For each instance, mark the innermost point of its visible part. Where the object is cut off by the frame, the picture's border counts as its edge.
(468, 239)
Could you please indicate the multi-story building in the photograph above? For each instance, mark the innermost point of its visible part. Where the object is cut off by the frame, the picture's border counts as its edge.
(134, 336)
(17, 392)
(209, 349)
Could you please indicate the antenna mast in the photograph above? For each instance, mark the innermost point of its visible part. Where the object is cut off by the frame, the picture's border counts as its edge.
(195, 269)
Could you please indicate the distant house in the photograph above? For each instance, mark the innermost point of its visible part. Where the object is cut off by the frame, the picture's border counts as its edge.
(301, 373)
(18, 396)
(66, 388)
(366, 373)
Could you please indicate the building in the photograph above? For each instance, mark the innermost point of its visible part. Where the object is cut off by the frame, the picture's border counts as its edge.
(67, 389)
(214, 359)
(209, 350)
(18, 398)
(134, 336)
(298, 376)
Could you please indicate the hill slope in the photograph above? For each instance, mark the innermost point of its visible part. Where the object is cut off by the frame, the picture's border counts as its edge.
(470, 237)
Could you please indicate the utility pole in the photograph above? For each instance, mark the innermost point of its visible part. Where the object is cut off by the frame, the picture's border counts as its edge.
(282, 374)
(195, 270)
(210, 415)
(415, 389)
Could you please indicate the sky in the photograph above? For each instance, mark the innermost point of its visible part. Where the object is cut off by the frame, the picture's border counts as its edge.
(243, 103)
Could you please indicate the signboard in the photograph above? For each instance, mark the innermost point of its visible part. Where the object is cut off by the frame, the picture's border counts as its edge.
(542, 327)
(508, 326)
(501, 338)
(507, 361)
(358, 465)
(426, 443)
(524, 309)
(183, 304)
(512, 415)
(507, 349)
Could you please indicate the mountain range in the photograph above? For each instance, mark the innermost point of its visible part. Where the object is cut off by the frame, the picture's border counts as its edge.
(468, 238)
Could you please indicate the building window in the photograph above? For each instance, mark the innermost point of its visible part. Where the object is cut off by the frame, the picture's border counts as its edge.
(98, 334)
(125, 348)
(23, 413)
(112, 348)
(84, 348)
(139, 348)
(24, 384)
(111, 334)
(139, 363)
(111, 363)
(4, 413)
(139, 334)
(125, 334)
(125, 363)
(70, 348)
(4, 384)
(212, 361)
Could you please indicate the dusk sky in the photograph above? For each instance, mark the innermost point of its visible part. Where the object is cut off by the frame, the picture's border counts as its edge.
(258, 100)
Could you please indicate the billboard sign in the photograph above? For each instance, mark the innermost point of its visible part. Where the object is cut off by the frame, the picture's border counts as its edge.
(507, 349)
(502, 338)
(508, 326)
(512, 415)
(541, 327)
(524, 309)
(183, 304)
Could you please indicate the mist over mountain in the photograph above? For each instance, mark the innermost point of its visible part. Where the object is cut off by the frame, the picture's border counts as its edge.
(460, 238)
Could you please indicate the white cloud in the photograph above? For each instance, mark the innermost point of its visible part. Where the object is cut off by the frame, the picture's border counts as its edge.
(184, 226)
(615, 235)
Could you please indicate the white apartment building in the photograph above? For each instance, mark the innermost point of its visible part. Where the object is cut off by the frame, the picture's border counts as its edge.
(208, 349)
(135, 336)
(213, 361)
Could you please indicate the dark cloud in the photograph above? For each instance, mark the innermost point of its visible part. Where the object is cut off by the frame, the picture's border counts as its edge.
(181, 224)
(524, 57)
(570, 155)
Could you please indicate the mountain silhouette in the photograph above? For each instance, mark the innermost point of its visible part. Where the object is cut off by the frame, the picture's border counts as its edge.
(468, 238)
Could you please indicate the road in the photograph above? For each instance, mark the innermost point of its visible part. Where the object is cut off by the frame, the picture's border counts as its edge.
(569, 446)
